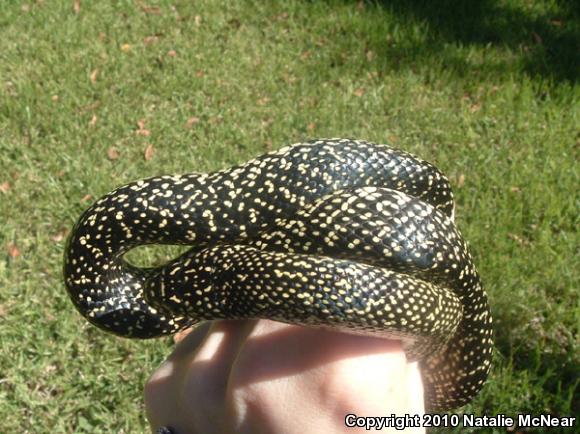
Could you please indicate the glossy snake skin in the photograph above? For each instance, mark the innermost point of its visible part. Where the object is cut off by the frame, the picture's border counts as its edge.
(334, 233)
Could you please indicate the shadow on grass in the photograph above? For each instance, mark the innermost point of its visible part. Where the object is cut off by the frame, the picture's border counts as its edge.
(556, 373)
(543, 42)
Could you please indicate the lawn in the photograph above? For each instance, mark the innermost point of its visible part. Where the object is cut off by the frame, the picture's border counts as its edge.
(96, 94)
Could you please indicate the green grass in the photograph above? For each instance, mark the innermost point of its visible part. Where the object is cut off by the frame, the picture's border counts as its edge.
(489, 93)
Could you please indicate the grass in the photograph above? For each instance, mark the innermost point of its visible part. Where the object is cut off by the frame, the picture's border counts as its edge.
(489, 93)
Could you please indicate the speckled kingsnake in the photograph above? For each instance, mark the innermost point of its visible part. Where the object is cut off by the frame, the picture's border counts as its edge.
(336, 233)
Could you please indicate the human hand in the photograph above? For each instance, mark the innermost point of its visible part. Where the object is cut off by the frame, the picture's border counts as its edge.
(265, 377)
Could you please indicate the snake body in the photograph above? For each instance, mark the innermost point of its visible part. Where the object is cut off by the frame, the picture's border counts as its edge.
(333, 233)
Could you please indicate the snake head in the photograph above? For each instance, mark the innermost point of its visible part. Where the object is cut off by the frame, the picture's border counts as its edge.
(132, 323)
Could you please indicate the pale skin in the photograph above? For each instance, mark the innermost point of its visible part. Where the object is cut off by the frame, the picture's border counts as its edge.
(265, 377)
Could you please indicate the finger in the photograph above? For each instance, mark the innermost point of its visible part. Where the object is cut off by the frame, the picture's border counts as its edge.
(189, 386)
(321, 375)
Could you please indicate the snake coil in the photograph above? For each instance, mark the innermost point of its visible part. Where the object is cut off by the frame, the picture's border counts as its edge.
(333, 233)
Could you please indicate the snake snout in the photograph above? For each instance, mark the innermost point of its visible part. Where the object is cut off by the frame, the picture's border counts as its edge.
(131, 323)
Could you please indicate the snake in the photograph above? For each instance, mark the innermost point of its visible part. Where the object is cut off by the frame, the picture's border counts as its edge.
(341, 234)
